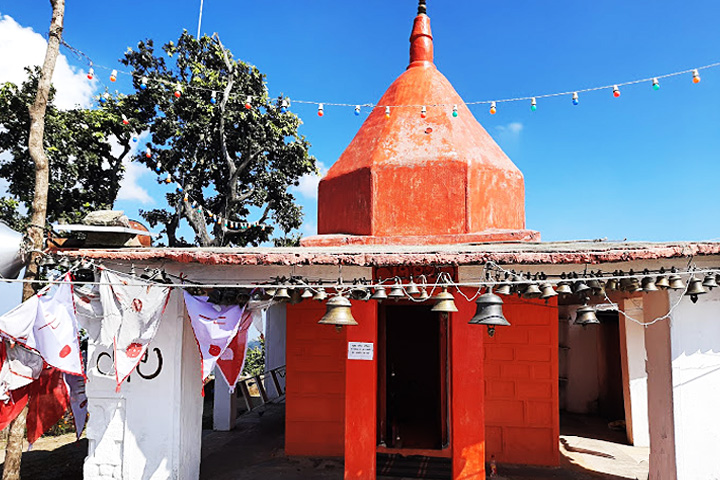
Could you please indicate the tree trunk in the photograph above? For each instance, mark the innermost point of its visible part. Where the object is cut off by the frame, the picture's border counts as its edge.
(13, 452)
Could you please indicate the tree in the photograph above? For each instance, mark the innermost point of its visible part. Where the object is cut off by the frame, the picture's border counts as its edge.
(84, 172)
(235, 157)
(13, 451)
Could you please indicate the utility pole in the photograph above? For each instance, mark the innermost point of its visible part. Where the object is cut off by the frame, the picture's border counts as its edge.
(36, 229)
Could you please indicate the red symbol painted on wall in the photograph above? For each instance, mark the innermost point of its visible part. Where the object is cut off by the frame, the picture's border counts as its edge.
(214, 350)
(137, 305)
(134, 350)
(65, 351)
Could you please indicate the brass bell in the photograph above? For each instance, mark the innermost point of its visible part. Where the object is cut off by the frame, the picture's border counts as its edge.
(282, 294)
(547, 291)
(597, 287)
(396, 292)
(564, 288)
(307, 293)
(580, 287)
(444, 302)
(64, 263)
(295, 296)
(423, 294)
(379, 294)
(695, 288)
(270, 292)
(504, 289)
(320, 295)
(359, 293)
(47, 261)
(611, 284)
(338, 313)
(412, 289)
(709, 282)
(489, 312)
(586, 316)
(662, 282)
(676, 282)
(648, 285)
(532, 291)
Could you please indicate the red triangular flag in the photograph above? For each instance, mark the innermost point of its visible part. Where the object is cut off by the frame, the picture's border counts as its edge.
(48, 402)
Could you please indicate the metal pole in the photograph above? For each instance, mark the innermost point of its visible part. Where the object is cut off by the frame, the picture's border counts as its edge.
(200, 19)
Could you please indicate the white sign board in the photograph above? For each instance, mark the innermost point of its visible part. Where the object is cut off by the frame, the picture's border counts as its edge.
(360, 351)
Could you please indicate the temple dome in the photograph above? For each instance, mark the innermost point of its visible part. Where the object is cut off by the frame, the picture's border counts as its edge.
(409, 179)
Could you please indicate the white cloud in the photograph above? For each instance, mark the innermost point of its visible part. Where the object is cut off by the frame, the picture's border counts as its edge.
(510, 131)
(308, 187)
(21, 47)
(308, 229)
(130, 188)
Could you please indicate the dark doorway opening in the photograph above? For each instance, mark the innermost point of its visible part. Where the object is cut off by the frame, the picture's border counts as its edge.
(413, 406)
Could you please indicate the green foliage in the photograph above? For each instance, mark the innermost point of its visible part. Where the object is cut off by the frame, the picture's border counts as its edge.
(255, 359)
(85, 174)
(233, 161)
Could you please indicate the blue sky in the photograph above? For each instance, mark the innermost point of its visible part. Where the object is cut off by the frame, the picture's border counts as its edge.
(642, 167)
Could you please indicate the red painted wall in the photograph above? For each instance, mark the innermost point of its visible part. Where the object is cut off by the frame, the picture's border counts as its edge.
(520, 392)
(315, 397)
(361, 398)
(522, 413)
(467, 408)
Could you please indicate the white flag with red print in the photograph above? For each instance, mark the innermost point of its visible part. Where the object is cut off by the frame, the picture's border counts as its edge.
(55, 330)
(78, 401)
(136, 306)
(214, 327)
(232, 360)
(17, 324)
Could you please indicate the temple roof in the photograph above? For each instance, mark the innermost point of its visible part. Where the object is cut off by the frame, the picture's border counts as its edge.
(545, 253)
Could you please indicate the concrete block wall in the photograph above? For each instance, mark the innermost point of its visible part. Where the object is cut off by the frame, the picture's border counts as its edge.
(521, 385)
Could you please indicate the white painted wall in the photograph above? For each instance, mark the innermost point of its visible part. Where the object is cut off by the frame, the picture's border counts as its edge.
(152, 428)
(695, 340)
(635, 356)
(275, 334)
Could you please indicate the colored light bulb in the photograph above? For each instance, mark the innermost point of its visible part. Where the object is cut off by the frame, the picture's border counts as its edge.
(284, 105)
(148, 153)
(616, 91)
(113, 76)
(124, 119)
(158, 167)
(105, 97)
(213, 98)
(696, 76)
(143, 83)
(387, 112)
(168, 179)
(248, 103)
(533, 104)
(357, 110)
(185, 198)
(656, 84)
(321, 110)
(135, 139)
(178, 91)
(423, 112)
(493, 108)
(455, 111)
(91, 73)
(576, 98)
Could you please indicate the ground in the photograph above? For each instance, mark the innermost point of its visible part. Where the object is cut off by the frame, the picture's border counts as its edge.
(254, 451)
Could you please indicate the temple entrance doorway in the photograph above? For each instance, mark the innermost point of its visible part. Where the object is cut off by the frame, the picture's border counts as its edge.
(413, 378)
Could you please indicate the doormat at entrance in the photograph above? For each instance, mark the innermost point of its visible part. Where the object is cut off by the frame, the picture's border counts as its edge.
(414, 466)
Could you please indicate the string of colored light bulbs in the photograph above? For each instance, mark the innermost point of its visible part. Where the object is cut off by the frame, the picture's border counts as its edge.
(286, 102)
